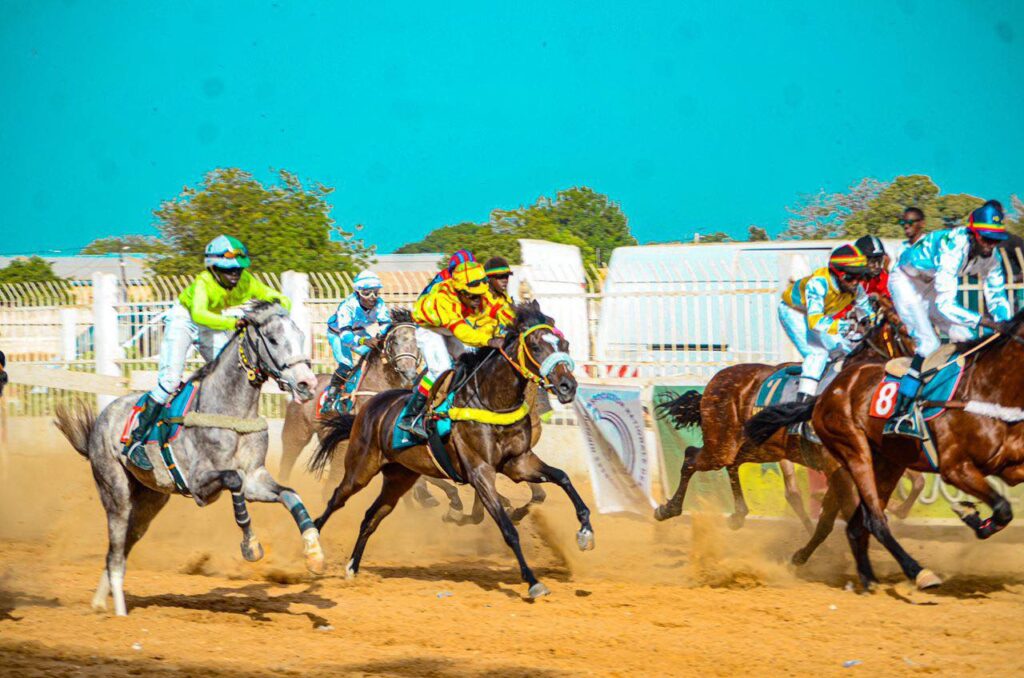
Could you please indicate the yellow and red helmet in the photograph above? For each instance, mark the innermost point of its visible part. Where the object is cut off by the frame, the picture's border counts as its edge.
(469, 277)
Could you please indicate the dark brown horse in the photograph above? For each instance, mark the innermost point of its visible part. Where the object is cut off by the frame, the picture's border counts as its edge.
(728, 401)
(533, 350)
(979, 435)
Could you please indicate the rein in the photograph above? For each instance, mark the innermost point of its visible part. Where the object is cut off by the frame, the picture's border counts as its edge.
(543, 370)
(258, 373)
(385, 354)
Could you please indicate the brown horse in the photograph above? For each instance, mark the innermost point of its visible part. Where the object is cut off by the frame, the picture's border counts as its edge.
(979, 434)
(393, 365)
(728, 401)
(533, 350)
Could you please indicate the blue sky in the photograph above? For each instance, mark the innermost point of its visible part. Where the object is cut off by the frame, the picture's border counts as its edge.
(694, 116)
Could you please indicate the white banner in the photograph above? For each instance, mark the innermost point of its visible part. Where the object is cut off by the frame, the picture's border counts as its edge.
(619, 460)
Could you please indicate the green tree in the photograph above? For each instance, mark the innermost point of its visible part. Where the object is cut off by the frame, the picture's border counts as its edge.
(140, 244)
(1015, 219)
(881, 215)
(757, 234)
(717, 236)
(286, 226)
(30, 269)
(578, 216)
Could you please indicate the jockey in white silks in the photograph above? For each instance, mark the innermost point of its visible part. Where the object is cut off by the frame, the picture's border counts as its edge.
(808, 314)
(354, 330)
(925, 284)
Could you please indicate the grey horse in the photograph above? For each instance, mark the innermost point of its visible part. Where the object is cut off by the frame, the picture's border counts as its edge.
(222, 446)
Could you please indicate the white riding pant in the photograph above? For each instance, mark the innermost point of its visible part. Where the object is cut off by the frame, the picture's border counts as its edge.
(181, 334)
(818, 349)
(438, 350)
(915, 303)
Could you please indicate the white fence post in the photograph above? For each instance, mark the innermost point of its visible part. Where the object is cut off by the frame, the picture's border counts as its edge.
(104, 315)
(295, 286)
(69, 333)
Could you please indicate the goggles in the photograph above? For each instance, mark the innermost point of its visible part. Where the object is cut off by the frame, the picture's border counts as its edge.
(233, 254)
(369, 293)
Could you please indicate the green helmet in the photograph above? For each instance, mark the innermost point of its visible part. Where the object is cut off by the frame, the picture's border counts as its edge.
(225, 251)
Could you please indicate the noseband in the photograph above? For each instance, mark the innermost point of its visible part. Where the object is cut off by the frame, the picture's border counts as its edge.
(538, 372)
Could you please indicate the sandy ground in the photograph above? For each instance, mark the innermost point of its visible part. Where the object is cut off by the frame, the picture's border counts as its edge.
(688, 597)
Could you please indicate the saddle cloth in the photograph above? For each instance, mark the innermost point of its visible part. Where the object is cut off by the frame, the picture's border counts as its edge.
(781, 387)
(439, 401)
(346, 398)
(939, 386)
(167, 429)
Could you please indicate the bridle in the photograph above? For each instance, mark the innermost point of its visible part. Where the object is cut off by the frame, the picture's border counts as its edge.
(538, 372)
(386, 355)
(257, 371)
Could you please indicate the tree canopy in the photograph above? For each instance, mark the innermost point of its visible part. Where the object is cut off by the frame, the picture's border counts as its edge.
(139, 244)
(578, 216)
(28, 269)
(285, 226)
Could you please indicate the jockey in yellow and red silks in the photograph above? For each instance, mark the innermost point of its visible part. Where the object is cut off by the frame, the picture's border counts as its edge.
(809, 309)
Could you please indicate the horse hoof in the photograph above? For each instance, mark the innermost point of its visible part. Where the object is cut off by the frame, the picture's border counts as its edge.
(252, 550)
(538, 590)
(799, 558)
(312, 550)
(736, 521)
(585, 539)
(453, 516)
(350, 571)
(926, 579)
(664, 512)
(99, 605)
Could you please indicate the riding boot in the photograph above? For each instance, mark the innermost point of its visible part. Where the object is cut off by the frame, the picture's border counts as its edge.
(334, 389)
(412, 420)
(135, 449)
(910, 387)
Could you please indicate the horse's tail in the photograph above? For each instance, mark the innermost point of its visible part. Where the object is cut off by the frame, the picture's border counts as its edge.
(76, 423)
(762, 425)
(336, 431)
(683, 411)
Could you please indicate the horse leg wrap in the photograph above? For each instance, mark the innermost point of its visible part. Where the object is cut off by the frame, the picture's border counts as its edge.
(298, 510)
(241, 512)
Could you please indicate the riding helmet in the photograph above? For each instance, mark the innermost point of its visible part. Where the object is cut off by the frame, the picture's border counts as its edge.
(469, 277)
(870, 246)
(225, 251)
(988, 221)
(847, 260)
(497, 267)
(367, 280)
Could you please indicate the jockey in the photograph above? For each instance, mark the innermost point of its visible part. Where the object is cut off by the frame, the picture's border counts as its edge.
(354, 329)
(452, 313)
(912, 223)
(874, 251)
(808, 313)
(197, 320)
(459, 257)
(499, 303)
(925, 285)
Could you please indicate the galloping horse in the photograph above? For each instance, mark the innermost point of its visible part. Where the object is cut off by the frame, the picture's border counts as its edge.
(394, 365)
(727, 402)
(979, 434)
(224, 447)
(533, 350)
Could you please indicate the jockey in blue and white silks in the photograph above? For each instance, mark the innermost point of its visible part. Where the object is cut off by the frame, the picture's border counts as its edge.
(925, 288)
(354, 329)
(808, 314)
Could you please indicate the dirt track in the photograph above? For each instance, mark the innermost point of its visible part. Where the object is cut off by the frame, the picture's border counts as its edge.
(434, 599)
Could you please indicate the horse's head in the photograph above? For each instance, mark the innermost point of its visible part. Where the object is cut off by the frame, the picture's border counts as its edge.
(399, 350)
(541, 350)
(275, 346)
(3, 372)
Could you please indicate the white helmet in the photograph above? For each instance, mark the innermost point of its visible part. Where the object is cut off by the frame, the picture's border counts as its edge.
(367, 280)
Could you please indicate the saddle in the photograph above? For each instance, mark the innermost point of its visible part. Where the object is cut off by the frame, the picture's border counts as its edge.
(781, 387)
(897, 367)
(166, 430)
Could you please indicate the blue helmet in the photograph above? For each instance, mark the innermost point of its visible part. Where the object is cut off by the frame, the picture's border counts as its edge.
(367, 280)
(225, 251)
(987, 221)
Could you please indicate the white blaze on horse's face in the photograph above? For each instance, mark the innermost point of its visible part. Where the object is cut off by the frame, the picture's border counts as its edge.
(557, 366)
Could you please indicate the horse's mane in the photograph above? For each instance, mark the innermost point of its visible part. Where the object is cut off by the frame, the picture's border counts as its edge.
(1015, 322)
(401, 314)
(528, 314)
